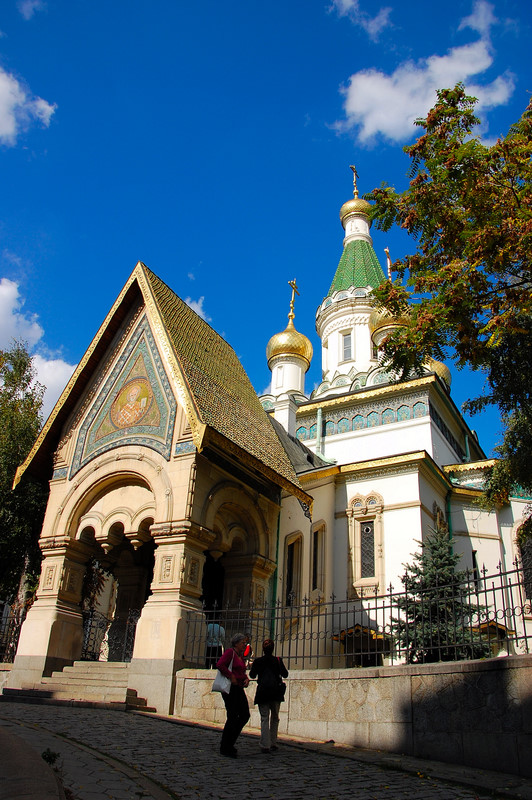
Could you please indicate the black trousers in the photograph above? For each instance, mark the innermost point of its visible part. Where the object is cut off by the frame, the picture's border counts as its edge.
(236, 704)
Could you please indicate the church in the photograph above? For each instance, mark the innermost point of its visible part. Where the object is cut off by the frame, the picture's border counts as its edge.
(175, 490)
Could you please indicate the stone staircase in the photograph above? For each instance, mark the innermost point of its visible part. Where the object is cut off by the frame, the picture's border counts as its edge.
(98, 684)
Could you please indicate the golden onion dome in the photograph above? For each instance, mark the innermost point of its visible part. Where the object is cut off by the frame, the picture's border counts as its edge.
(289, 343)
(380, 318)
(355, 206)
(441, 370)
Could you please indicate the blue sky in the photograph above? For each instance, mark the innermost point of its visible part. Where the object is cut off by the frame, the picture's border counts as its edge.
(213, 141)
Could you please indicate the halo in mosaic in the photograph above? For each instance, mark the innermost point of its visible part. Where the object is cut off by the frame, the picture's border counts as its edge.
(312, 432)
(302, 434)
(135, 405)
(373, 419)
(359, 422)
(343, 425)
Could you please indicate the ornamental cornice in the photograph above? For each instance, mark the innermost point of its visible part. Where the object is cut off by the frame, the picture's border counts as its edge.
(470, 466)
(289, 359)
(345, 321)
(369, 394)
(359, 405)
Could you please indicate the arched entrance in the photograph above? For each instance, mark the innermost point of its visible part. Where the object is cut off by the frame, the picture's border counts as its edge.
(115, 588)
(114, 525)
(237, 569)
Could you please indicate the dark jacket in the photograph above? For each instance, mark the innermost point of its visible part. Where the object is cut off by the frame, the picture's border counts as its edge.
(269, 671)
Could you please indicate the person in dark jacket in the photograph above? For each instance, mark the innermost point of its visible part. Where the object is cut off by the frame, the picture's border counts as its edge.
(269, 672)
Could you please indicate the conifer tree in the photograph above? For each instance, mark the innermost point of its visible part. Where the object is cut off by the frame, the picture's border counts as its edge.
(439, 622)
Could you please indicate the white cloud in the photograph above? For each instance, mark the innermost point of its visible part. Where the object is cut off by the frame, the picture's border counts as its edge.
(372, 25)
(197, 306)
(387, 105)
(28, 7)
(19, 108)
(54, 373)
(14, 324)
(481, 19)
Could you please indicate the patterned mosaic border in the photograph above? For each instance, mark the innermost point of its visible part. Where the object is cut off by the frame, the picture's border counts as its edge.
(160, 439)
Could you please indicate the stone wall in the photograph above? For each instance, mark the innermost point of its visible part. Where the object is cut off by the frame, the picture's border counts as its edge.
(476, 713)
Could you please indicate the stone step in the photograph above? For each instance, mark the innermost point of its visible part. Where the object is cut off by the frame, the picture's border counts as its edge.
(111, 665)
(62, 692)
(95, 684)
(22, 697)
(89, 680)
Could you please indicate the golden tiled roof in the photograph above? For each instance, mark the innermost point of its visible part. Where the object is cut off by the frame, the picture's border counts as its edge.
(222, 392)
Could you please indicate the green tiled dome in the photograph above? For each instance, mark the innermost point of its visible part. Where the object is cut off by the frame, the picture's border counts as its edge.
(358, 267)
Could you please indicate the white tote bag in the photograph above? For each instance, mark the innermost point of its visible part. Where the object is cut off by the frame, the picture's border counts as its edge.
(221, 683)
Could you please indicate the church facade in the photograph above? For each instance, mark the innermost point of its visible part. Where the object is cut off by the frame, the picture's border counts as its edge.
(173, 488)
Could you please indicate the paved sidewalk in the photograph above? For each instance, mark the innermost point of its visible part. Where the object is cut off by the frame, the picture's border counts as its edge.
(124, 756)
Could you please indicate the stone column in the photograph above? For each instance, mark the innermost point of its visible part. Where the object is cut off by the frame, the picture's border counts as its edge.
(52, 634)
(160, 640)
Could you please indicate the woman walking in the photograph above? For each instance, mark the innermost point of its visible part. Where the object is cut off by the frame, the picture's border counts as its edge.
(232, 665)
(270, 694)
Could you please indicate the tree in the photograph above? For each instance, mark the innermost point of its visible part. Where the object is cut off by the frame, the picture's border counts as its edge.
(468, 287)
(439, 622)
(21, 509)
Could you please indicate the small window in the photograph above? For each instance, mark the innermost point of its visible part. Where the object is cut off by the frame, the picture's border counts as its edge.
(318, 559)
(346, 347)
(293, 572)
(367, 549)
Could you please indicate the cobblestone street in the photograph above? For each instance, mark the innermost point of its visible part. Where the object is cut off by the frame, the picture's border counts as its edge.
(113, 755)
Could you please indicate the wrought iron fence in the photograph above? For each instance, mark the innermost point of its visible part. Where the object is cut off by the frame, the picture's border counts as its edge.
(108, 639)
(481, 616)
(10, 626)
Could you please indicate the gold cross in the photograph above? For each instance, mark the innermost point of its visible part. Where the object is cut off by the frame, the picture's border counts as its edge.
(355, 176)
(294, 292)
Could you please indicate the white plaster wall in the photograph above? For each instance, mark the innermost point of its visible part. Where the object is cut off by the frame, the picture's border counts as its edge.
(288, 376)
(378, 442)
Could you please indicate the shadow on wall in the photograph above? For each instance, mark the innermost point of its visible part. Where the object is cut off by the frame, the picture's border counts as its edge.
(479, 715)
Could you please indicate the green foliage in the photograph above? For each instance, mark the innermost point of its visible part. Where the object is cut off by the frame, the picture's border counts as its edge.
(94, 582)
(439, 622)
(468, 287)
(21, 509)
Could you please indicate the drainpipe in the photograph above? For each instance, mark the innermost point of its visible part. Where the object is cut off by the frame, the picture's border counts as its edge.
(276, 571)
(319, 432)
(466, 443)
